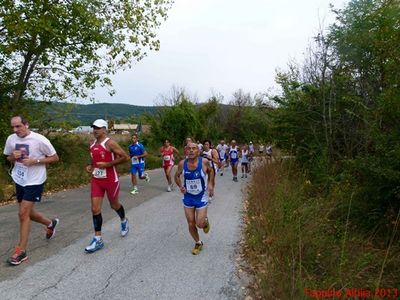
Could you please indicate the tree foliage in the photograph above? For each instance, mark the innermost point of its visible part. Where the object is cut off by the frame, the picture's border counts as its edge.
(339, 111)
(55, 49)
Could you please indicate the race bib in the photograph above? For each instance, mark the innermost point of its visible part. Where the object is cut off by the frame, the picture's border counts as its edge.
(20, 174)
(99, 173)
(167, 157)
(233, 155)
(194, 186)
(135, 160)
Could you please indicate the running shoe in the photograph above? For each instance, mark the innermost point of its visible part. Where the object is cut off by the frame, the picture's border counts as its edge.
(242, 176)
(95, 244)
(222, 174)
(124, 227)
(197, 248)
(235, 179)
(134, 191)
(51, 231)
(206, 228)
(147, 177)
(169, 188)
(18, 257)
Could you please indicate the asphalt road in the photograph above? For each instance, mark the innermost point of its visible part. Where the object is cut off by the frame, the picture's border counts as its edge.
(153, 262)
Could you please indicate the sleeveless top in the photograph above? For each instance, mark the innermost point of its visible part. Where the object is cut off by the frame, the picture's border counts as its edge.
(195, 180)
(245, 156)
(99, 153)
(167, 155)
(233, 153)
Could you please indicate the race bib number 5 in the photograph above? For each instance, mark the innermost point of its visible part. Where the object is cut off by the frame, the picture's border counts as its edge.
(20, 174)
(194, 186)
(99, 173)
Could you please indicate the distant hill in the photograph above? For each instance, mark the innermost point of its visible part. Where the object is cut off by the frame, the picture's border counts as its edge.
(86, 113)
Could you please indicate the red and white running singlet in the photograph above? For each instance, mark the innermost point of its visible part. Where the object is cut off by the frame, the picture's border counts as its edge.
(99, 153)
(168, 156)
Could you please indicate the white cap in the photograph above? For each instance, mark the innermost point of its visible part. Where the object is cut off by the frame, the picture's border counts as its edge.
(251, 142)
(100, 123)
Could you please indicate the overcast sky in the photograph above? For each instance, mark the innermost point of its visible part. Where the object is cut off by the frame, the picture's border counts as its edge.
(220, 46)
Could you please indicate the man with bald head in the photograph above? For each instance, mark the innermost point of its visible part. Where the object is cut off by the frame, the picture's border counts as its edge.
(197, 186)
(29, 152)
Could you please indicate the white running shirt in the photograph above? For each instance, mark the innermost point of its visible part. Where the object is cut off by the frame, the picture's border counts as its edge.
(33, 146)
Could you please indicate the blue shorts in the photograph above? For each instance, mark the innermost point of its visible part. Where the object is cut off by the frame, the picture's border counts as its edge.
(31, 193)
(234, 161)
(190, 202)
(138, 168)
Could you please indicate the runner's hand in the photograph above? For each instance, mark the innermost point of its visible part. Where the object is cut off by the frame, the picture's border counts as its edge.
(102, 164)
(182, 189)
(29, 162)
(210, 189)
(89, 168)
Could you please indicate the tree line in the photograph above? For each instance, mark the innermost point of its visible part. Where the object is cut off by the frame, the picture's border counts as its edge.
(339, 111)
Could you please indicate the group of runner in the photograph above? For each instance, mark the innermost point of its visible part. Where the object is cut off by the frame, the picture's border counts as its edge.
(30, 152)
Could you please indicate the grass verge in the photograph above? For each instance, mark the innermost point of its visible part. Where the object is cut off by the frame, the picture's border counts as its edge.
(300, 241)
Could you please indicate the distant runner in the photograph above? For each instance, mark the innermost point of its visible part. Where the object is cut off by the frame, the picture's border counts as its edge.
(268, 152)
(137, 153)
(234, 158)
(167, 153)
(244, 159)
(105, 155)
(213, 159)
(196, 188)
(29, 152)
(251, 155)
(222, 149)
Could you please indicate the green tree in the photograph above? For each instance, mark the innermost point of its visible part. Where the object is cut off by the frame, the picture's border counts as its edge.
(176, 121)
(58, 49)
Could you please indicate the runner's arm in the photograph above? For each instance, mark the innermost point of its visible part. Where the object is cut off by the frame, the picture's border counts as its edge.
(176, 151)
(117, 150)
(177, 177)
(215, 157)
(210, 181)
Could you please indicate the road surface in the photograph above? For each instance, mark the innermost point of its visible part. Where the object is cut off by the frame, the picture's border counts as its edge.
(153, 262)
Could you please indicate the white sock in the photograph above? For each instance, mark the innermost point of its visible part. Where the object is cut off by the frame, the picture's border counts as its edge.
(97, 237)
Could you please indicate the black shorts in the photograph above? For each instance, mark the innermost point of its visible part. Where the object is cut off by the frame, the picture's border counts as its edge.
(31, 193)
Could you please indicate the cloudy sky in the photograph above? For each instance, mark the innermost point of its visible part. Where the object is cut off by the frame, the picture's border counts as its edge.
(220, 46)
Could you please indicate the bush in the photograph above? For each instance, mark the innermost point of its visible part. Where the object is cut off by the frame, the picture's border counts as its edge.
(300, 237)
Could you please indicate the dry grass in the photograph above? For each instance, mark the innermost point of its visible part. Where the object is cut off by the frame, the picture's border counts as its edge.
(297, 239)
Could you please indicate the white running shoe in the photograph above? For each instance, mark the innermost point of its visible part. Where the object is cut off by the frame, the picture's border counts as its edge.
(169, 188)
(147, 177)
(124, 227)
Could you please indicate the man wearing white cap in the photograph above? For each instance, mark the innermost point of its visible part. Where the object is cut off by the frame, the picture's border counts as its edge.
(105, 155)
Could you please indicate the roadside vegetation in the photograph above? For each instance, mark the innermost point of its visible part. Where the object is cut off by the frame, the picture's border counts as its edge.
(331, 219)
(299, 236)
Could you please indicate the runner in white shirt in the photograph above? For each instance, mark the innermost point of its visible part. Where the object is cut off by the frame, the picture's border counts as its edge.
(29, 152)
(244, 159)
(222, 151)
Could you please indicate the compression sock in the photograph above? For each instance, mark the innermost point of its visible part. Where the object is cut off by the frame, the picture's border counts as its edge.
(97, 222)
(121, 212)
